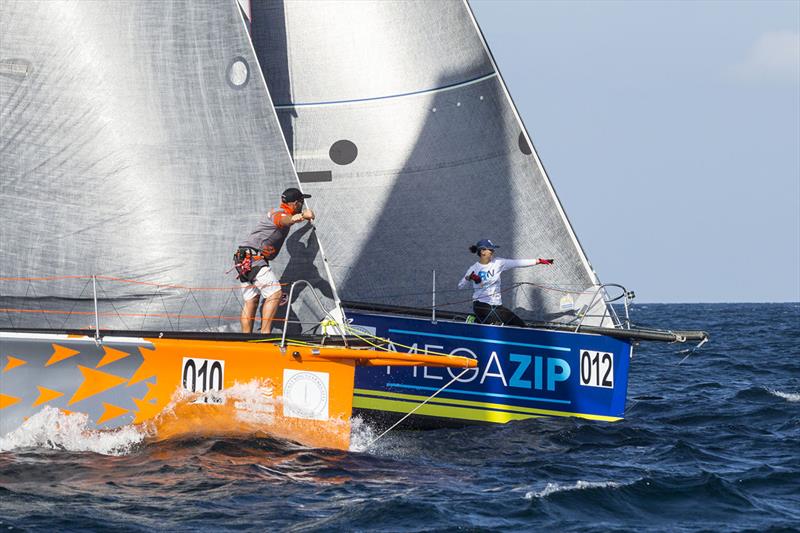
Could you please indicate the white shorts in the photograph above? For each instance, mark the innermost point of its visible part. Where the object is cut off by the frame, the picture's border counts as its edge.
(265, 284)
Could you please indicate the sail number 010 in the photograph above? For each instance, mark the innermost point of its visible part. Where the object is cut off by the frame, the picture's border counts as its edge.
(597, 369)
(202, 375)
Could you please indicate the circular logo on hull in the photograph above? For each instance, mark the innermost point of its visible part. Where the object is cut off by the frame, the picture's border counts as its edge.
(305, 395)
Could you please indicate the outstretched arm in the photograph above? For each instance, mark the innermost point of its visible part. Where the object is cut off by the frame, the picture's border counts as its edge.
(288, 220)
(516, 263)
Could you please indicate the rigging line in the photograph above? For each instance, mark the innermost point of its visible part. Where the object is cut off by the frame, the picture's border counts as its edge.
(202, 312)
(119, 315)
(414, 410)
(692, 350)
(356, 335)
(224, 306)
(48, 278)
(75, 303)
(114, 307)
(147, 307)
(502, 291)
(164, 305)
(390, 96)
(363, 336)
(36, 297)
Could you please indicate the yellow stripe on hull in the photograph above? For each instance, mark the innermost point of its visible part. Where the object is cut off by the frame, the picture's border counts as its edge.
(450, 408)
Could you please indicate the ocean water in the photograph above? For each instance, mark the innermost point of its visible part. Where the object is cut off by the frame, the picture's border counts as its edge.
(710, 442)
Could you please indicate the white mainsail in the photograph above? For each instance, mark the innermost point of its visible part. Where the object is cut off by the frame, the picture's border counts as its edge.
(400, 125)
(137, 142)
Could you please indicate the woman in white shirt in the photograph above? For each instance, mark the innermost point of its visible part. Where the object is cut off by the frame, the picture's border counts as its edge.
(485, 279)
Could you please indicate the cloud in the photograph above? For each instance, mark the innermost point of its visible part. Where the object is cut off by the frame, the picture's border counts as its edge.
(774, 57)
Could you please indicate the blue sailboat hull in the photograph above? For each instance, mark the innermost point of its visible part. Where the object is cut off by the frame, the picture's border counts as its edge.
(522, 373)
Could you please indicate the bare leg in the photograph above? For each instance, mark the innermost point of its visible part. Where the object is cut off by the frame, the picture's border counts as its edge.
(268, 310)
(249, 314)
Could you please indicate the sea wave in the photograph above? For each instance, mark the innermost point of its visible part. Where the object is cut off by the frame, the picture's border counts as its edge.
(788, 396)
(552, 488)
(55, 429)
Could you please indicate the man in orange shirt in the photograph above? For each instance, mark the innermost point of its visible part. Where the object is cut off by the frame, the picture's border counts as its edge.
(258, 249)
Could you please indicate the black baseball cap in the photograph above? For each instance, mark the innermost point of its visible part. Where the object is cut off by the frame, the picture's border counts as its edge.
(292, 195)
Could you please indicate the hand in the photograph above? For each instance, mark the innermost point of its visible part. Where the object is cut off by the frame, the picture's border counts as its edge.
(474, 277)
(308, 214)
(297, 218)
(545, 261)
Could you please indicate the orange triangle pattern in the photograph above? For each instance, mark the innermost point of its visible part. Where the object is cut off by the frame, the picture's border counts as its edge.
(146, 410)
(110, 412)
(45, 395)
(144, 371)
(59, 354)
(13, 362)
(110, 356)
(94, 382)
(8, 401)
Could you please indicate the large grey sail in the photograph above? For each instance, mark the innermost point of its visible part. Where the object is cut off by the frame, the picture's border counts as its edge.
(399, 123)
(137, 142)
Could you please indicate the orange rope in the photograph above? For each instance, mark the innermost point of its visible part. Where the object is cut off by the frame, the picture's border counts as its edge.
(51, 278)
(133, 281)
(136, 315)
(183, 287)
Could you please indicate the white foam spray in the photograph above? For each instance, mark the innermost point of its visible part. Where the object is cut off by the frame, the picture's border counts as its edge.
(54, 429)
(361, 434)
(788, 396)
(552, 488)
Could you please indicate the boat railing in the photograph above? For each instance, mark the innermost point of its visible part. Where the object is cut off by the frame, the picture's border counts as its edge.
(601, 292)
(325, 312)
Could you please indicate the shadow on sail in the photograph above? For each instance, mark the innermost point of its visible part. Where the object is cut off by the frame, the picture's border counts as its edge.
(413, 152)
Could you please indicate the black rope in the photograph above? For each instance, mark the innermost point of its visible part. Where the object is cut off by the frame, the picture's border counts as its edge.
(75, 303)
(166, 311)
(224, 305)
(111, 301)
(36, 299)
(199, 309)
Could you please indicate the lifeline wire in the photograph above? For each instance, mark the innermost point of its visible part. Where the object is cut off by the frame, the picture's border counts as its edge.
(414, 410)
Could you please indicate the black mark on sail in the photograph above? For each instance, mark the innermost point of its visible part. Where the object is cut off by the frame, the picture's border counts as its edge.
(314, 177)
(343, 152)
(524, 147)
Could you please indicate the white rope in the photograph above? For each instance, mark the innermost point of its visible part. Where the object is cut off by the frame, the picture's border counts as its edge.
(414, 410)
(692, 350)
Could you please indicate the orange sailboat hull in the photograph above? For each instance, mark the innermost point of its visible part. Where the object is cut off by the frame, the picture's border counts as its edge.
(173, 387)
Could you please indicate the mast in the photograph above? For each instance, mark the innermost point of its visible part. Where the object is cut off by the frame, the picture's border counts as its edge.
(339, 311)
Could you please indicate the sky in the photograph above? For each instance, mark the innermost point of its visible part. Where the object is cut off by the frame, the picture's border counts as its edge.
(671, 133)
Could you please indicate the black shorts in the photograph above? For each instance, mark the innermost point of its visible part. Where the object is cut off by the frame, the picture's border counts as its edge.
(496, 314)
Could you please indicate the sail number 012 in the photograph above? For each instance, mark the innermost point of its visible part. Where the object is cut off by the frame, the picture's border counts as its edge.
(597, 369)
(202, 375)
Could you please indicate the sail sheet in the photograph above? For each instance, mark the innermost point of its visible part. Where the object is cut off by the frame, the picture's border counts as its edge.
(137, 142)
(400, 125)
